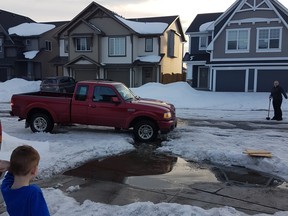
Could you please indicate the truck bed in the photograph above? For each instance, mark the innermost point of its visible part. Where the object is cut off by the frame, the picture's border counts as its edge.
(48, 94)
(58, 104)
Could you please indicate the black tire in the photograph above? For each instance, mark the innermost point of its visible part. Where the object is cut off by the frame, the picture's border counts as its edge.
(145, 131)
(40, 122)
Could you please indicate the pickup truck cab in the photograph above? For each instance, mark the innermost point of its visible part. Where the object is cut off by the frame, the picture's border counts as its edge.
(102, 103)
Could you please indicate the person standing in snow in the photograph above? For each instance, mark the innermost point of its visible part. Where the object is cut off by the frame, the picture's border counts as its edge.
(276, 94)
(21, 198)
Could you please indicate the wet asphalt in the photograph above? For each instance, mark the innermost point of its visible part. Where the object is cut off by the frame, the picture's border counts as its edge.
(145, 175)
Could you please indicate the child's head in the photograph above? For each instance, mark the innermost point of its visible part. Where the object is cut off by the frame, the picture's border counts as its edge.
(23, 159)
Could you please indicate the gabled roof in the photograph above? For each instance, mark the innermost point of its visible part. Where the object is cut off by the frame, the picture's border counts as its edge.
(239, 5)
(82, 57)
(87, 12)
(220, 20)
(164, 19)
(282, 10)
(200, 19)
(130, 24)
(8, 19)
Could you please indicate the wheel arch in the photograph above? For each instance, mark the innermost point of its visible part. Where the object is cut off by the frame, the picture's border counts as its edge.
(140, 118)
(38, 110)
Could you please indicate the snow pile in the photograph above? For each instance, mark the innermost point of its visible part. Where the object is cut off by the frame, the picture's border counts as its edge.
(75, 145)
(13, 86)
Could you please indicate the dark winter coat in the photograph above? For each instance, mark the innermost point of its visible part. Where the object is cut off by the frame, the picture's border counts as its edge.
(276, 93)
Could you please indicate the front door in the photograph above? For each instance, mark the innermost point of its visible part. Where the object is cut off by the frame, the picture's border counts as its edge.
(148, 75)
(203, 78)
(3, 74)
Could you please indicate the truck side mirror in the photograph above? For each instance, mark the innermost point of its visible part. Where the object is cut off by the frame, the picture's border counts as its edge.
(115, 100)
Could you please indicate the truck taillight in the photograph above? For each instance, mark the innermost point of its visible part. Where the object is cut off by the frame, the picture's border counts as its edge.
(11, 103)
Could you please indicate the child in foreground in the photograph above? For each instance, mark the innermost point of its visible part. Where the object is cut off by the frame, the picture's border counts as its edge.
(21, 198)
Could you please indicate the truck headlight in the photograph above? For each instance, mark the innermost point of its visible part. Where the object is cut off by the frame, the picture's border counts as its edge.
(167, 115)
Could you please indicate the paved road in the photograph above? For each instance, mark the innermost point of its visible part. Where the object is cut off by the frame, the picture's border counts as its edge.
(250, 200)
(196, 187)
(203, 190)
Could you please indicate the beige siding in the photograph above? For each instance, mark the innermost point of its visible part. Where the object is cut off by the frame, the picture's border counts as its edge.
(172, 65)
(140, 46)
(83, 29)
(48, 69)
(116, 60)
(109, 26)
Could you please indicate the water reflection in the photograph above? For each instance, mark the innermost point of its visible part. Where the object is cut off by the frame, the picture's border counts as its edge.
(149, 169)
(119, 167)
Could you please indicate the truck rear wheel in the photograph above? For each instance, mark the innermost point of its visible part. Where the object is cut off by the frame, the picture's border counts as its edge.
(40, 122)
(145, 131)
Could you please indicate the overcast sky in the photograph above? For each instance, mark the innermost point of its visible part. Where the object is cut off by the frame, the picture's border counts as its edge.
(65, 10)
(60, 10)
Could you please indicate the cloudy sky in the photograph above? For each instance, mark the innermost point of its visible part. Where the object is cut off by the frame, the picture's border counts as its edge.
(64, 10)
(59, 10)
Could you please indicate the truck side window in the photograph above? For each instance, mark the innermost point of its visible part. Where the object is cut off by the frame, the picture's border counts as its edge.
(103, 94)
(81, 93)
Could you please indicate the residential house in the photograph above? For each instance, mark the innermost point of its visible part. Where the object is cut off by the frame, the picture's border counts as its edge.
(101, 44)
(9, 49)
(38, 48)
(243, 49)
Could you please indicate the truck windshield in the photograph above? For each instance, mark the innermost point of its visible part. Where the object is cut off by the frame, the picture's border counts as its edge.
(125, 92)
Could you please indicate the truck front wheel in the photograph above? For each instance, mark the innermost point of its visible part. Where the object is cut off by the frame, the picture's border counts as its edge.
(40, 122)
(145, 131)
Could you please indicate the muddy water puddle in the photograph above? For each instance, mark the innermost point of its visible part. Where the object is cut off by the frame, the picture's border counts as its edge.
(149, 169)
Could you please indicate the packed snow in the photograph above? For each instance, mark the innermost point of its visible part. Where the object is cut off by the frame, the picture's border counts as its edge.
(30, 29)
(144, 27)
(31, 54)
(63, 151)
(149, 58)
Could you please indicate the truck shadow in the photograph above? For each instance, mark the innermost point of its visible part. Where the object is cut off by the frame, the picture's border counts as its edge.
(63, 129)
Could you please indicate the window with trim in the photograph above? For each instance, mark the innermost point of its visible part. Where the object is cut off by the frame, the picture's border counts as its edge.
(28, 42)
(83, 44)
(171, 44)
(117, 46)
(269, 39)
(1, 44)
(66, 46)
(203, 42)
(48, 45)
(237, 40)
(148, 44)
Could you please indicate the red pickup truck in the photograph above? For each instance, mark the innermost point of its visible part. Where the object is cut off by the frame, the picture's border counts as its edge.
(103, 103)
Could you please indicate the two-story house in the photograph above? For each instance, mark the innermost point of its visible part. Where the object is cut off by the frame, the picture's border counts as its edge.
(101, 44)
(9, 49)
(243, 49)
(39, 47)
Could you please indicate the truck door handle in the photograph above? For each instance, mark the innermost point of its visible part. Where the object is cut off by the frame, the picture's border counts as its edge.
(92, 106)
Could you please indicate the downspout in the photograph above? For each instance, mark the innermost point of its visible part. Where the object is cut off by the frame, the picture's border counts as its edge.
(211, 74)
(132, 57)
(159, 77)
